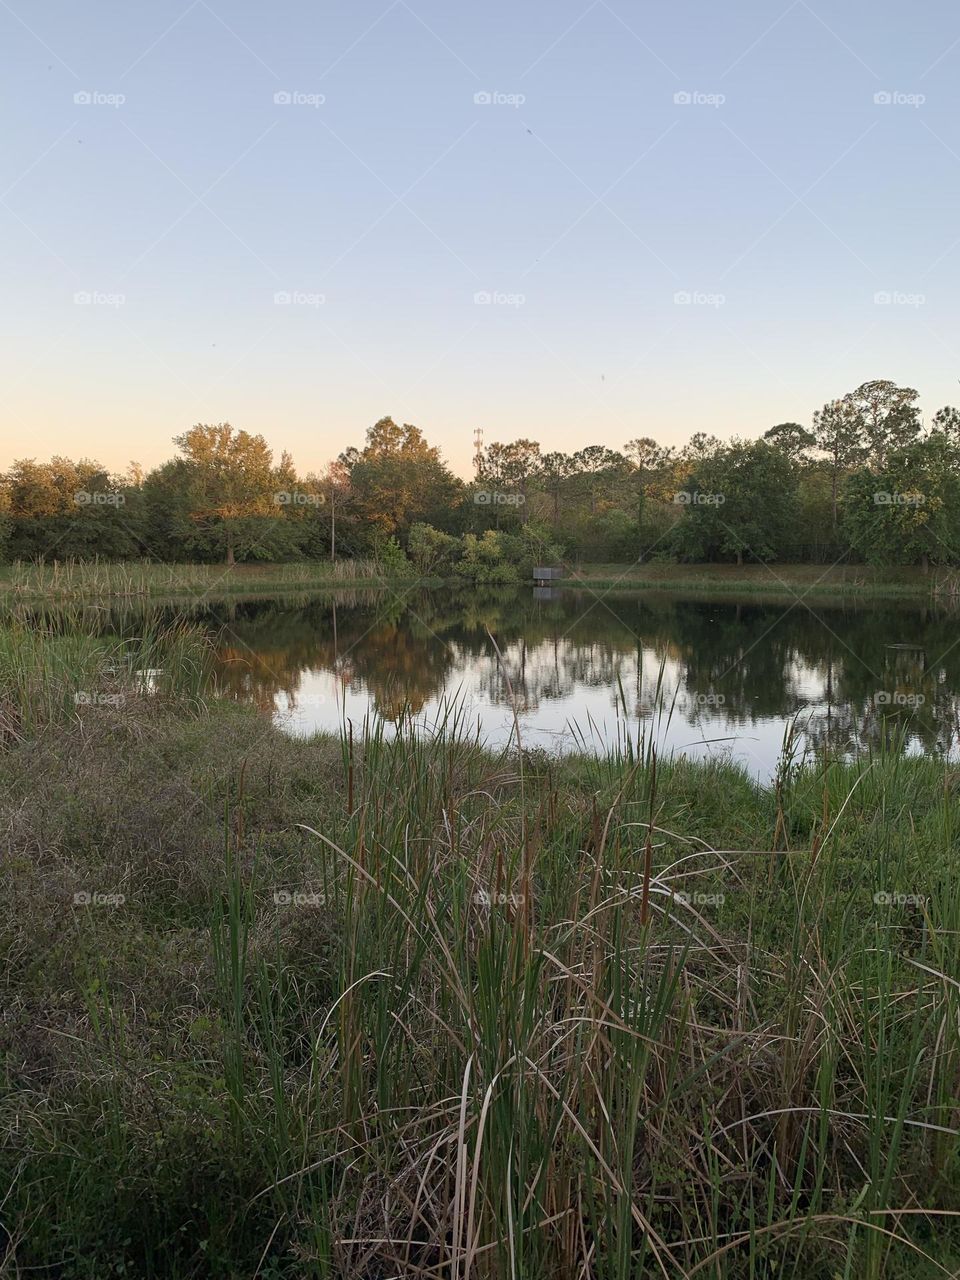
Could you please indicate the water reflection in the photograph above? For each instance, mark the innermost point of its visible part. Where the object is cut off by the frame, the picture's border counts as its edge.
(698, 676)
(732, 675)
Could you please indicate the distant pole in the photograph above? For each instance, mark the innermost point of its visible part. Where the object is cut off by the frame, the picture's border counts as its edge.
(333, 523)
(478, 451)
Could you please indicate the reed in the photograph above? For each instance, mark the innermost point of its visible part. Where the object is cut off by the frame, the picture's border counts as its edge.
(75, 579)
(400, 1006)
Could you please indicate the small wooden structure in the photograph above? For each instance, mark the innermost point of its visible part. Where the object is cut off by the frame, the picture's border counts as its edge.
(542, 575)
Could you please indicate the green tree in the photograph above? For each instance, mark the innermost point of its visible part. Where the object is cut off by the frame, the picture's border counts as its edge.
(740, 501)
(889, 417)
(839, 433)
(792, 438)
(908, 512)
(555, 470)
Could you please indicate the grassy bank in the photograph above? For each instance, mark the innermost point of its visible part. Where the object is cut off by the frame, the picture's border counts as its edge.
(295, 1008)
(130, 581)
(125, 580)
(773, 579)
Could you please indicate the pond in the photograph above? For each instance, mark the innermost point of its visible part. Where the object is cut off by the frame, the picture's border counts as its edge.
(580, 669)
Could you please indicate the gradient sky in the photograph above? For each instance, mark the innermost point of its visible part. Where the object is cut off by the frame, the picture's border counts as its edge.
(783, 210)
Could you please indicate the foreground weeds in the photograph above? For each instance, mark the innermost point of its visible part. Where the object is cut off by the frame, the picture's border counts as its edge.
(396, 1008)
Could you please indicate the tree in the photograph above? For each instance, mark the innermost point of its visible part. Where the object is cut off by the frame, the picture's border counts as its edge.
(555, 468)
(431, 550)
(740, 500)
(838, 430)
(889, 417)
(649, 460)
(947, 421)
(908, 512)
(233, 487)
(594, 464)
(792, 438)
(398, 479)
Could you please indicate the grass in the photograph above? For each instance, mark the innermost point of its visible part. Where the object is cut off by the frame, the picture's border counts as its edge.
(72, 580)
(126, 581)
(774, 579)
(404, 1007)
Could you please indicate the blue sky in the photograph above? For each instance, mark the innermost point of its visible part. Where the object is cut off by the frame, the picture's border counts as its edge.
(582, 199)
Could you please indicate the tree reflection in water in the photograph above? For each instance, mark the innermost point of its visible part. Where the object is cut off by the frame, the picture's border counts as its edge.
(731, 665)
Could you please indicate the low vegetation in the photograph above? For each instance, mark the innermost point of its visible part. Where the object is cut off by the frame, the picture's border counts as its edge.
(393, 1006)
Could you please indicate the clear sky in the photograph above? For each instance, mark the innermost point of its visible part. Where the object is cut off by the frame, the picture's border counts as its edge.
(576, 193)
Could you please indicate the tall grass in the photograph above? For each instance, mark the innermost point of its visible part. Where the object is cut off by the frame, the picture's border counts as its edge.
(50, 673)
(468, 1015)
(71, 579)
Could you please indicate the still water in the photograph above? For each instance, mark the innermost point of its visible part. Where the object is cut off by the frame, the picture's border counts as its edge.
(582, 669)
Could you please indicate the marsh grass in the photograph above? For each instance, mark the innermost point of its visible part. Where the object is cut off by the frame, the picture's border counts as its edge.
(77, 579)
(50, 673)
(399, 1006)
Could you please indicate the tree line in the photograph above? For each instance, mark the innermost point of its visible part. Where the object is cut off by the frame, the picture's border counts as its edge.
(866, 480)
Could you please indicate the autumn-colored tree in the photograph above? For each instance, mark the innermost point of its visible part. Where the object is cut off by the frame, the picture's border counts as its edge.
(233, 486)
(398, 479)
